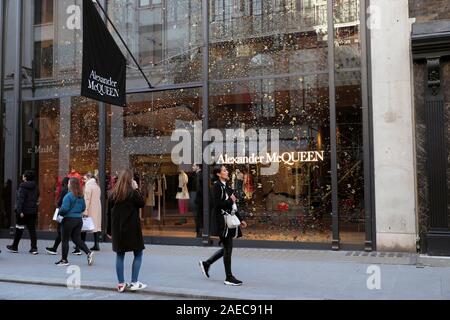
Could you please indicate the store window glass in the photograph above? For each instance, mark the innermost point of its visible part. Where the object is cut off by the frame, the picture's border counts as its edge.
(266, 37)
(349, 121)
(166, 38)
(59, 139)
(43, 55)
(42, 64)
(43, 12)
(294, 203)
(139, 137)
(52, 48)
(269, 70)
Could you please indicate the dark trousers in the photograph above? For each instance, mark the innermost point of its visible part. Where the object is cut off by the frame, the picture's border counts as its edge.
(58, 237)
(28, 221)
(199, 220)
(71, 229)
(96, 239)
(225, 252)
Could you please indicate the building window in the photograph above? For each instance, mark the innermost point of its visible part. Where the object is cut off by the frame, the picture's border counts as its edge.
(146, 3)
(43, 12)
(43, 55)
(43, 35)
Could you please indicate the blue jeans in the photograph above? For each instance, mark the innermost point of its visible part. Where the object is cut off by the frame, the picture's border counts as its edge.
(137, 262)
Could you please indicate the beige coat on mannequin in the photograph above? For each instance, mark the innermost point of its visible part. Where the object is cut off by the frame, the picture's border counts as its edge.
(183, 181)
(92, 196)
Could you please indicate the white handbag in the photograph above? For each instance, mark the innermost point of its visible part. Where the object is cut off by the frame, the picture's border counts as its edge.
(88, 225)
(231, 220)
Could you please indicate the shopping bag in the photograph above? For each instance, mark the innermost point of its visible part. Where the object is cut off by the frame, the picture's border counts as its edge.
(88, 225)
(57, 217)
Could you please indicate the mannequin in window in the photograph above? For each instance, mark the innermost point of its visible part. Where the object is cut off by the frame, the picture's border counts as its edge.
(160, 189)
(183, 195)
(238, 183)
(249, 185)
(150, 199)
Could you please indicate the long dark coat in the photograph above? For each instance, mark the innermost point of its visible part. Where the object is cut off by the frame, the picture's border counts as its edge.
(27, 198)
(218, 203)
(126, 225)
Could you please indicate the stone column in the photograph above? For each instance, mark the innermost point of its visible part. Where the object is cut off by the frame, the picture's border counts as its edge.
(393, 127)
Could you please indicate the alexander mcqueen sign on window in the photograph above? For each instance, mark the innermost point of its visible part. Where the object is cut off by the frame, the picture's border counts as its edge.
(104, 66)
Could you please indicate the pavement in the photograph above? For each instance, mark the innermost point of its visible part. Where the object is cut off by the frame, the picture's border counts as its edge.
(15, 291)
(172, 272)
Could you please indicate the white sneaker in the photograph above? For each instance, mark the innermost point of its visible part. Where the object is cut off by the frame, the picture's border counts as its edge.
(90, 258)
(121, 287)
(137, 286)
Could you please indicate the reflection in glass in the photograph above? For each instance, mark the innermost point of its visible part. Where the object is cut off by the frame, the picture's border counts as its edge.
(165, 36)
(142, 132)
(294, 204)
(60, 138)
(283, 38)
(349, 121)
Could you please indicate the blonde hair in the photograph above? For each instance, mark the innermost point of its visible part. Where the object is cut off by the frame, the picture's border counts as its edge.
(124, 187)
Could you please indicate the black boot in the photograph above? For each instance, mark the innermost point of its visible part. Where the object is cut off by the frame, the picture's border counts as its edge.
(15, 246)
(96, 246)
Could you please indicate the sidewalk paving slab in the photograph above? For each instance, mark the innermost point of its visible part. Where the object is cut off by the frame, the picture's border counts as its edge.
(268, 274)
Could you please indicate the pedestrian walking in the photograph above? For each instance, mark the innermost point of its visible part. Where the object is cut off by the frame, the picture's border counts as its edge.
(64, 191)
(92, 196)
(125, 200)
(223, 203)
(26, 212)
(72, 209)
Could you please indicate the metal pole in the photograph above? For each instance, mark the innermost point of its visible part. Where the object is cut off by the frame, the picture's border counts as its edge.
(102, 161)
(333, 127)
(205, 121)
(102, 156)
(2, 77)
(368, 209)
(16, 128)
(123, 42)
(33, 110)
(2, 53)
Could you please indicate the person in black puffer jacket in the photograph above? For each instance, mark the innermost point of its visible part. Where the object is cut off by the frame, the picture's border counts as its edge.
(26, 212)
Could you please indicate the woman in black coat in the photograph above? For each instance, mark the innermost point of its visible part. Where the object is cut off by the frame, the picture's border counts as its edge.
(125, 201)
(223, 201)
